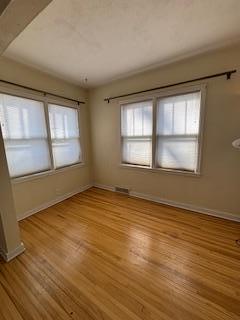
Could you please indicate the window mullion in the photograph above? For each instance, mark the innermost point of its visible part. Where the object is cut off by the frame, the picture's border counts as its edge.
(49, 139)
(176, 136)
(154, 112)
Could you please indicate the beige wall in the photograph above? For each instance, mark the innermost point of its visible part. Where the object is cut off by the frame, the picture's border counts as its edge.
(218, 186)
(35, 193)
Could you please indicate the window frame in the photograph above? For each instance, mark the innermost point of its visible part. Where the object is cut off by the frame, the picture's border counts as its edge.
(134, 137)
(59, 104)
(154, 97)
(46, 100)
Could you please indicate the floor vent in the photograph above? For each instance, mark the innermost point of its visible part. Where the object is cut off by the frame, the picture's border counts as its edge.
(122, 190)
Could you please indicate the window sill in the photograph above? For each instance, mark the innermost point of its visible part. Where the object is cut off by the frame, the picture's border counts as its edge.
(160, 170)
(46, 173)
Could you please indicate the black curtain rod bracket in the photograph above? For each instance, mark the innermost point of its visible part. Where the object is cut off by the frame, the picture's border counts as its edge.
(41, 91)
(228, 75)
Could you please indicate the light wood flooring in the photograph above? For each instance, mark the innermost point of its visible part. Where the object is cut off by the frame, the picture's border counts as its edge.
(103, 255)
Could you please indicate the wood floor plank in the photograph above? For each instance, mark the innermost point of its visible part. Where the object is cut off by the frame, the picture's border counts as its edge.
(8, 310)
(103, 255)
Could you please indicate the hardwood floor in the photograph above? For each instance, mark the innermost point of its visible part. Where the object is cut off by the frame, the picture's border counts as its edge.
(102, 255)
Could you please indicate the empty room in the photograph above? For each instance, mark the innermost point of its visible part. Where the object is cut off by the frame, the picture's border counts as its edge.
(119, 159)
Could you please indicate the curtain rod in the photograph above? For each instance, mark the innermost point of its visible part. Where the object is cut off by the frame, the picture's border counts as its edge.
(226, 73)
(41, 91)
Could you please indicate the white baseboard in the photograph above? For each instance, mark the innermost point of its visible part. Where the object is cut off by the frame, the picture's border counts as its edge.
(104, 187)
(193, 208)
(7, 256)
(53, 202)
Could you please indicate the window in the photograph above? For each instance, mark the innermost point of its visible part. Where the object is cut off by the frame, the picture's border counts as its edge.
(163, 132)
(31, 145)
(65, 135)
(137, 133)
(177, 132)
(25, 135)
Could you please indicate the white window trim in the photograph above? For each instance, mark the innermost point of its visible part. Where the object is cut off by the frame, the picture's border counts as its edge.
(154, 96)
(43, 174)
(47, 99)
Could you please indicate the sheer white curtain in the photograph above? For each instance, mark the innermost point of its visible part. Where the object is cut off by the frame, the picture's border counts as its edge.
(25, 135)
(65, 135)
(136, 132)
(178, 120)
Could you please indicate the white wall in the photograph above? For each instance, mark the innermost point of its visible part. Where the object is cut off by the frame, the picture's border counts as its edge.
(218, 186)
(35, 193)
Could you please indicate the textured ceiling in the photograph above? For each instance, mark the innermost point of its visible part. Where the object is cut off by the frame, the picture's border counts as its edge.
(102, 40)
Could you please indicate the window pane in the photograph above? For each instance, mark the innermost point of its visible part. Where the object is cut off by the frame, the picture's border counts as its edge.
(65, 135)
(137, 119)
(178, 120)
(177, 153)
(22, 118)
(66, 152)
(63, 122)
(179, 114)
(25, 135)
(137, 151)
(25, 157)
